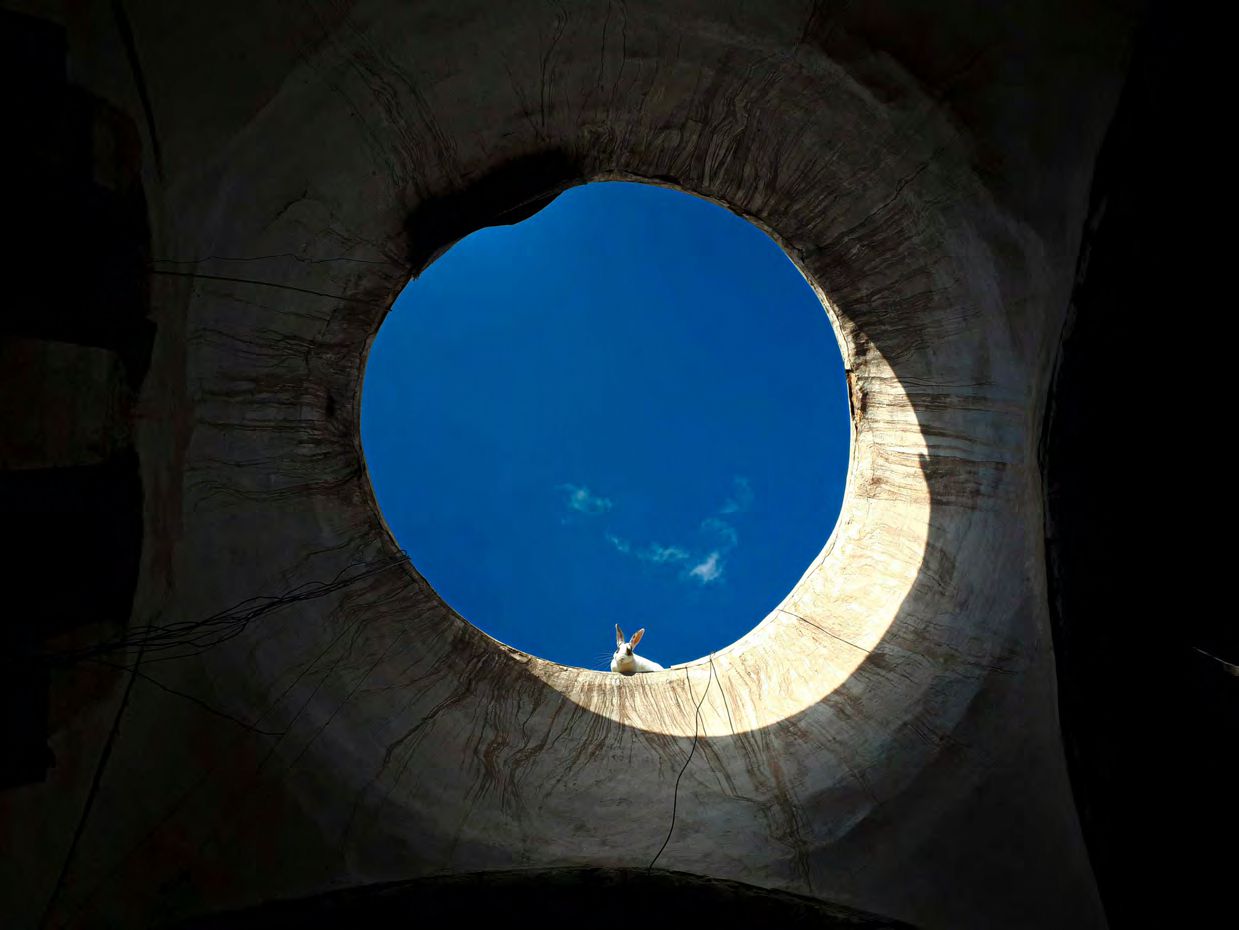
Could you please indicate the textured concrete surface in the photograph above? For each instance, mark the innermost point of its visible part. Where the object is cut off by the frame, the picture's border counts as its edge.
(886, 739)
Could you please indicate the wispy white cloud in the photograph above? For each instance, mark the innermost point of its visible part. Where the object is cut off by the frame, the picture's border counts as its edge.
(656, 553)
(709, 569)
(581, 500)
(719, 536)
(741, 497)
(619, 543)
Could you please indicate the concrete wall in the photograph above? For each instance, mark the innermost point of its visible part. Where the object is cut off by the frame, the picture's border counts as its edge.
(886, 739)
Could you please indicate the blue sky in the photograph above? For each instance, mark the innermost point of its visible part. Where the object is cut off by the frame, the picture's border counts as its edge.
(629, 408)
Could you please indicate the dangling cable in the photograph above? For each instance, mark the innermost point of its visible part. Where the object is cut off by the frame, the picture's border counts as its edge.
(675, 796)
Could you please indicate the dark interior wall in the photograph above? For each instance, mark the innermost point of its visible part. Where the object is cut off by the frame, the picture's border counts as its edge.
(75, 209)
(1149, 712)
(75, 344)
(1149, 704)
(604, 898)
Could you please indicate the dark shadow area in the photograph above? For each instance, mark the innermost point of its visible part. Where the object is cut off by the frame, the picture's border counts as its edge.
(75, 341)
(1149, 713)
(513, 192)
(606, 898)
(90, 515)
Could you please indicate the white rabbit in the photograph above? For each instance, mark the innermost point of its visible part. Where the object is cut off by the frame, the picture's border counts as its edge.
(627, 662)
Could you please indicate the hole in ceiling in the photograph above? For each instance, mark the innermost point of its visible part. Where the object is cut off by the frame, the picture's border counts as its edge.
(627, 409)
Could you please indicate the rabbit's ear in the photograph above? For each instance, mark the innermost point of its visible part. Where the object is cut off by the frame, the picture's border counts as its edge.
(619, 636)
(636, 637)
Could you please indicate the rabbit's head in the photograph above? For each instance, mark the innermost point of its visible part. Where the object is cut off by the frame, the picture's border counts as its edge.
(626, 661)
(625, 648)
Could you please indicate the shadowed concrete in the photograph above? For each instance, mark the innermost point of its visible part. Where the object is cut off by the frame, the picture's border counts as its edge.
(595, 897)
(886, 739)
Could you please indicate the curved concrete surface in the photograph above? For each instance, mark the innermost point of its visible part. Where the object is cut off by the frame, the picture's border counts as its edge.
(605, 898)
(886, 739)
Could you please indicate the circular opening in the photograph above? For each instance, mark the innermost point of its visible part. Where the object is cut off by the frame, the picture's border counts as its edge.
(629, 409)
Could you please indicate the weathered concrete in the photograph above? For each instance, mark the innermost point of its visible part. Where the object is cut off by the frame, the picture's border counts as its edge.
(886, 739)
